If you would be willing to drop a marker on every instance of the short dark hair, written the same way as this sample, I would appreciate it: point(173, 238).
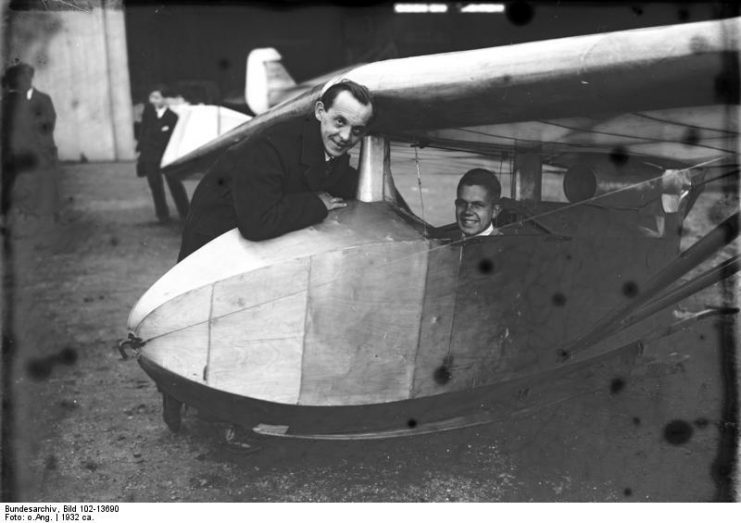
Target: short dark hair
point(163, 89)
point(358, 91)
point(17, 71)
point(483, 178)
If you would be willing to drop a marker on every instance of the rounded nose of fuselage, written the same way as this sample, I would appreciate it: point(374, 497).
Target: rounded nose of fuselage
point(328, 315)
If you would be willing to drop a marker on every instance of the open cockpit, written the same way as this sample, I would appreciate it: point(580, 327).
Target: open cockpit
point(542, 192)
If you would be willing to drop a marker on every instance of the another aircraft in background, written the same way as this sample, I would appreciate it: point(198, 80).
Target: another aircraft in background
point(268, 83)
point(198, 125)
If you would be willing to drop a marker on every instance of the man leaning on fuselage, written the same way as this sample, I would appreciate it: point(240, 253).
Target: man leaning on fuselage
point(477, 203)
point(287, 178)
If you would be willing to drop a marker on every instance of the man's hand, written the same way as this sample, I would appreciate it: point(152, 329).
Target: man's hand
point(331, 202)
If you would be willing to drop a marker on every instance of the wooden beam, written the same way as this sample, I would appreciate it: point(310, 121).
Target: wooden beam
point(528, 175)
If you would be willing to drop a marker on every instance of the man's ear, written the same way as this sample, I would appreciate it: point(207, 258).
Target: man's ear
point(319, 110)
point(497, 210)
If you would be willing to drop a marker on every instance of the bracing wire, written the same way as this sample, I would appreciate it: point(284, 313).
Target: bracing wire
point(419, 185)
point(621, 189)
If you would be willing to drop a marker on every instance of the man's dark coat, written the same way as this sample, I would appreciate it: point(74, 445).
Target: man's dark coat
point(154, 134)
point(28, 126)
point(267, 186)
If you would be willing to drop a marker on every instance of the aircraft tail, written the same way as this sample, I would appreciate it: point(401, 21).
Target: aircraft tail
point(266, 79)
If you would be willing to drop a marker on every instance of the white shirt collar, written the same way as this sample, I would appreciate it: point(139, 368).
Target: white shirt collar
point(160, 112)
point(486, 232)
point(29, 93)
point(489, 231)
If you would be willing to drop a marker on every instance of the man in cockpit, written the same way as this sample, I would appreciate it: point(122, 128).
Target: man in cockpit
point(477, 203)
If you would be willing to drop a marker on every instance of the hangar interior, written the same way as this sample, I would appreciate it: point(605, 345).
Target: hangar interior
point(97, 58)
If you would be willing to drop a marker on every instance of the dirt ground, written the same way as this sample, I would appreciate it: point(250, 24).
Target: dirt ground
point(88, 425)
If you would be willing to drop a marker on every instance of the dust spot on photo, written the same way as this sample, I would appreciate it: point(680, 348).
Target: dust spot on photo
point(678, 432)
point(90, 465)
point(519, 12)
point(727, 87)
point(559, 300)
point(619, 156)
point(691, 137)
point(51, 462)
point(39, 369)
point(69, 405)
point(68, 356)
point(617, 385)
point(443, 374)
point(698, 45)
point(630, 289)
point(486, 266)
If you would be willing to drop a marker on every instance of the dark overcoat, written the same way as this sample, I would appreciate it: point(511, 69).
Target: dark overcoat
point(267, 185)
point(154, 134)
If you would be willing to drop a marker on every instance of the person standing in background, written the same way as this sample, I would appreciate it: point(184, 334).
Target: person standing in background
point(158, 122)
point(29, 150)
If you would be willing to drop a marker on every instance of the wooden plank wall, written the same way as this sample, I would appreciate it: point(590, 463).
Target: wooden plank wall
point(183, 352)
point(81, 61)
point(431, 368)
point(362, 326)
point(257, 332)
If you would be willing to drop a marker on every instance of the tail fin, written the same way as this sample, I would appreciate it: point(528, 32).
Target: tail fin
point(266, 79)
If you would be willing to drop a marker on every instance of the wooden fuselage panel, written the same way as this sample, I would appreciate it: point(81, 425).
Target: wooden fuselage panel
point(399, 316)
point(519, 298)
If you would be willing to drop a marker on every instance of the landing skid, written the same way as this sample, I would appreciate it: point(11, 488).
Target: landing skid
point(172, 412)
point(461, 422)
point(424, 415)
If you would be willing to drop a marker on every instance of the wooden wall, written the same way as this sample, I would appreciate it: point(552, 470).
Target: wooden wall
point(81, 61)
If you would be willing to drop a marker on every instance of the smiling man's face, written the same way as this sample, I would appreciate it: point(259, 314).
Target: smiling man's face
point(474, 209)
point(343, 123)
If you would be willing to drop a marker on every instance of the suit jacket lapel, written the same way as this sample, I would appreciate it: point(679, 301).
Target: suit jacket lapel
point(317, 172)
point(339, 168)
point(312, 155)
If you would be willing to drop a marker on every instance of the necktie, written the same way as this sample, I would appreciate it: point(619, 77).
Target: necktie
point(328, 167)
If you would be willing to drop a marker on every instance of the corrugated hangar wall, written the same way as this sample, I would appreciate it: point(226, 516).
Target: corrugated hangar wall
point(81, 61)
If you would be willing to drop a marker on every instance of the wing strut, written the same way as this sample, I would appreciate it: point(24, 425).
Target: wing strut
point(655, 296)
